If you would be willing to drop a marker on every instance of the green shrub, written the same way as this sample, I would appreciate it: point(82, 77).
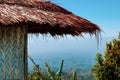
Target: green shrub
point(108, 68)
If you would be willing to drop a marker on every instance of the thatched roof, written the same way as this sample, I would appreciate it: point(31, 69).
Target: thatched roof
point(43, 17)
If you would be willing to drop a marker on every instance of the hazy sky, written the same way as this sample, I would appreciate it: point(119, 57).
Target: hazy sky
point(105, 13)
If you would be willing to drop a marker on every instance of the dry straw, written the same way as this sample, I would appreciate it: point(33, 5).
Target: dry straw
point(44, 17)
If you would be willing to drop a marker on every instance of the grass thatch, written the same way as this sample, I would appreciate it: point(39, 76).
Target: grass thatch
point(43, 17)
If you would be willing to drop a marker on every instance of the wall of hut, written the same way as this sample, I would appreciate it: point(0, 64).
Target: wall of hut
point(13, 53)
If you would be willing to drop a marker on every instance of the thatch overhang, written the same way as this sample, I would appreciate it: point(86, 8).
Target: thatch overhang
point(44, 17)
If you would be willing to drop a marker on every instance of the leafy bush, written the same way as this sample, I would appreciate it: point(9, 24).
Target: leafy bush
point(108, 68)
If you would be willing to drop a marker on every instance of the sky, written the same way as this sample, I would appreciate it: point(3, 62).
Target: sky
point(105, 13)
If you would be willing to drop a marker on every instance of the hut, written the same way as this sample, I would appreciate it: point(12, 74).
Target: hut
point(21, 17)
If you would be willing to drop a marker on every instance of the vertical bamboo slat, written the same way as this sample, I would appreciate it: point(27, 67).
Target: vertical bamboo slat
point(13, 53)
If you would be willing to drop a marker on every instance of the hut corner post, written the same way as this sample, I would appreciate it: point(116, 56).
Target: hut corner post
point(26, 57)
point(13, 53)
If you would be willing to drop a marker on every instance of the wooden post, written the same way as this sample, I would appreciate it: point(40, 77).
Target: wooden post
point(13, 53)
point(25, 57)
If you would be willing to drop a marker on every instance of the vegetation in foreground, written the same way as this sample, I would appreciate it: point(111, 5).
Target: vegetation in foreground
point(78, 74)
point(108, 67)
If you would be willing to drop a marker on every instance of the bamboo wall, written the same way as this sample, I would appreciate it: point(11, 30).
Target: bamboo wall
point(13, 53)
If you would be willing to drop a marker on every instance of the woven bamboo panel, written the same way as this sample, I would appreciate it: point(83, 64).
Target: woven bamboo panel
point(12, 53)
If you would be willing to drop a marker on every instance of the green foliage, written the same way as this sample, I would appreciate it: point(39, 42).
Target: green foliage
point(119, 36)
point(109, 67)
point(38, 75)
point(59, 73)
point(98, 67)
point(74, 76)
point(53, 75)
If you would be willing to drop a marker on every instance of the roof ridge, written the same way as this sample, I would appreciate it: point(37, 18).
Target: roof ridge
point(43, 5)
